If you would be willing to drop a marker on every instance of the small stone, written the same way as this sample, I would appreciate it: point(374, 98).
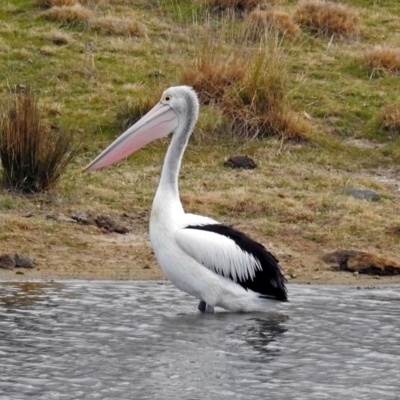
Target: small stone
point(82, 217)
point(22, 261)
point(28, 214)
point(287, 277)
point(240, 162)
point(7, 261)
point(364, 194)
point(19, 273)
point(355, 273)
point(109, 224)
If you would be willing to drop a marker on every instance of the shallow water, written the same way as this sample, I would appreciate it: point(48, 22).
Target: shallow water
point(146, 340)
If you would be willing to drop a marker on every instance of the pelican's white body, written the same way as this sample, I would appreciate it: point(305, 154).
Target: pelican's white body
point(200, 261)
point(167, 224)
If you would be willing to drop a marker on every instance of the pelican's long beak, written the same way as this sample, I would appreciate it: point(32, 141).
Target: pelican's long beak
point(158, 122)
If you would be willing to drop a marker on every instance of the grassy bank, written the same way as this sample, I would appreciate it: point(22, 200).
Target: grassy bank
point(339, 90)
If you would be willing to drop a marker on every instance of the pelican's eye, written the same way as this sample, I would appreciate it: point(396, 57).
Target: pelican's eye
point(167, 99)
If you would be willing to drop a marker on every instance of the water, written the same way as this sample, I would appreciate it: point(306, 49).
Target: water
point(145, 340)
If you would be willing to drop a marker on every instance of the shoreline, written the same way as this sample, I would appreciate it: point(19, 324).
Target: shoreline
point(335, 279)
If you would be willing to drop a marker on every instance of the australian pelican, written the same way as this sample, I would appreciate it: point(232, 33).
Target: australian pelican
point(215, 263)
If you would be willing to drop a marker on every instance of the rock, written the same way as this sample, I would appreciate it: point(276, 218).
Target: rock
point(339, 257)
point(102, 221)
point(240, 162)
point(7, 261)
point(108, 223)
point(11, 261)
point(364, 194)
point(83, 218)
point(22, 261)
point(363, 263)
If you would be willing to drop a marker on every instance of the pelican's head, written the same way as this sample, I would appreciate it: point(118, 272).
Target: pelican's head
point(178, 108)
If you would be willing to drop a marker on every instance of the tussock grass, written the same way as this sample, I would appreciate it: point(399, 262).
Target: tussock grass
point(383, 59)
point(48, 50)
point(58, 38)
point(55, 3)
point(328, 18)
point(389, 119)
point(258, 22)
point(118, 26)
point(33, 155)
point(69, 14)
point(258, 106)
point(212, 72)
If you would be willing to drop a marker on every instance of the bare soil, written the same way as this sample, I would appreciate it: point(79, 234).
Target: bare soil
point(63, 250)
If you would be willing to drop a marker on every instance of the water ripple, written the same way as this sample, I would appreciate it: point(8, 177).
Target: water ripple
point(145, 340)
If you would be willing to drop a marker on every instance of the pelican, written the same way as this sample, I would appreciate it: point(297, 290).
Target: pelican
point(217, 264)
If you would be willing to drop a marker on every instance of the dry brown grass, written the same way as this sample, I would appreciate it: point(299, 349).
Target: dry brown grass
point(55, 3)
point(118, 26)
point(238, 6)
point(383, 58)
point(210, 74)
point(390, 119)
point(48, 50)
point(328, 18)
point(32, 154)
point(258, 106)
point(258, 22)
point(69, 14)
point(58, 38)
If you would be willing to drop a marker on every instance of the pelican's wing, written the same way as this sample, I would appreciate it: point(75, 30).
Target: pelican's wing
point(232, 254)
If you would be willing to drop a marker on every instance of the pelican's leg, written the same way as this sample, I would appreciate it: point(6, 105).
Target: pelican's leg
point(209, 309)
point(202, 306)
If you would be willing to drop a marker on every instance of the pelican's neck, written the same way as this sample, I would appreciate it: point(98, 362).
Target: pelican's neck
point(169, 186)
point(167, 196)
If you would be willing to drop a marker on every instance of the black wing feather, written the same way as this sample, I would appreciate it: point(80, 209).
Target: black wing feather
point(269, 281)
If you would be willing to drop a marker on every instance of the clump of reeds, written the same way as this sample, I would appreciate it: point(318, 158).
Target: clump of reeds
point(383, 59)
point(390, 119)
point(55, 3)
point(69, 14)
point(237, 6)
point(327, 18)
point(259, 22)
point(134, 109)
point(118, 26)
point(33, 155)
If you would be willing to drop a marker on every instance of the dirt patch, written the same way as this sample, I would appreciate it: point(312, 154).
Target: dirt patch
point(65, 250)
